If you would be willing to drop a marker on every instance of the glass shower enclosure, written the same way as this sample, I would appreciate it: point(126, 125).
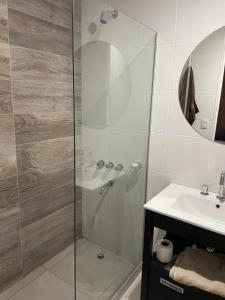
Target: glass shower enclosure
point(113, 75)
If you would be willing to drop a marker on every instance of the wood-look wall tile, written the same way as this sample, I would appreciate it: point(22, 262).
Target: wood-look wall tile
point(56, 11)
point(7, 131)
point(4, 35)
point(43, 156)
point(42, 96)
point(7, 161)
point(30, 32)
point(48, 236)
point(7, 147)
point(4, 62)
point(10, 259)
point(9, 221)
point(34, 183)
point(29, 64)
point(39, 207)
point(8, 193)
point(5, 97)
point(43, 126)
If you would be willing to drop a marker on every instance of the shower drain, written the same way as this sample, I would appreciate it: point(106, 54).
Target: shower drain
point(100, 256)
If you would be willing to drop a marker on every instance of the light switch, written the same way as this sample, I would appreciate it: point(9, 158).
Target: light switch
point(204, 123)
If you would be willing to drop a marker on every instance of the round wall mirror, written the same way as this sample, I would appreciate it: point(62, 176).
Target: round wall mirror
point(202, 87)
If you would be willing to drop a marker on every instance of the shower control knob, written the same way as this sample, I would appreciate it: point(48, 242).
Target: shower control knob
point(100, 164)
point(119, 167)
point(110, 165)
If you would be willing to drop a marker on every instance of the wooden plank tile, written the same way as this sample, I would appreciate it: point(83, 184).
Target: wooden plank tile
point(42, 156)
point(45, 204)
point(4, 62)
point(56, 11)
point(7, 135)
point(39, 96)
point(34, 183)
point(5, 97)
point(4, 35)
point(43, 126)
point(47, 237)
point(7, 147)
point(7, 162)
point(8, 193)
point(10, 259)
point(30, 32)
point(9, 221)
point(29, 64)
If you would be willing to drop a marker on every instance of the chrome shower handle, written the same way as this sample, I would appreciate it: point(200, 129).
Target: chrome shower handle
point(100, 164)
point(110, 165)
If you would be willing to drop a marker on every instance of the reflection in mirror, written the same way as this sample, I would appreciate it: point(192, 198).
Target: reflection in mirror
point(202, 88)
point(105, 78)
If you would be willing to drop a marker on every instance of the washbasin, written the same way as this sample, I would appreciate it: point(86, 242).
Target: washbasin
point(200, 207)
point(189, 205)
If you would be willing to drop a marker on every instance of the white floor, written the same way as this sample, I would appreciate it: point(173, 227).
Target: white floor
point(96, 279)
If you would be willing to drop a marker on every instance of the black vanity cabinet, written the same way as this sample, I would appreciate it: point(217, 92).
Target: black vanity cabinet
point(156, 284)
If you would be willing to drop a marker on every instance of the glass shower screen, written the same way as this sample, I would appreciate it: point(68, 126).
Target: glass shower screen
point(114, 61)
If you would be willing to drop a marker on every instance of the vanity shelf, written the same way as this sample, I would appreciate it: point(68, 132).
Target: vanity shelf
point(163, 287)
point(154, 271)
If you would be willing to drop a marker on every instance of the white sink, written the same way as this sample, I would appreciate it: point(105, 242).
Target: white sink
point(188, 205)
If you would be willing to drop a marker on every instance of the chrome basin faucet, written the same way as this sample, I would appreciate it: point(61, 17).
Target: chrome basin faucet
point(221, 195)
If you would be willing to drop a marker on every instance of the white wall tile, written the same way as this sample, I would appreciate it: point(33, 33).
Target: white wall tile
point(94, 143)
point(131, 115)
point(139, 62)
point(159, 15)
point(160, 107)
point(156, 152)
point(127, 146)
point(197, 19)
point(186, 155)
point(155, 184)
point(163, 69)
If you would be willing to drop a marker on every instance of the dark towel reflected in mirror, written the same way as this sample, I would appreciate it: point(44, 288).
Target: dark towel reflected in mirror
point(187, 95)
point(202, 88)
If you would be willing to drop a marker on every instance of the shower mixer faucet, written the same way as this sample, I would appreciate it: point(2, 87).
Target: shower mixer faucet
point(110, 165)
point(100, 164)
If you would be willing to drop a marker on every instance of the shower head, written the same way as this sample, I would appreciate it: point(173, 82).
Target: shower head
point(108, 15)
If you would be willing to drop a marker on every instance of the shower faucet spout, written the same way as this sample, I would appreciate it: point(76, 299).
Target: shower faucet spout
point(106, 186)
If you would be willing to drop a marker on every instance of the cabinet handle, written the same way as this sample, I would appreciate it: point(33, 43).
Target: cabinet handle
point(172, 286)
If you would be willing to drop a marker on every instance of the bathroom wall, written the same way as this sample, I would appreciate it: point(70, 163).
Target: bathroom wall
point(36, 134)
point(177, 154)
